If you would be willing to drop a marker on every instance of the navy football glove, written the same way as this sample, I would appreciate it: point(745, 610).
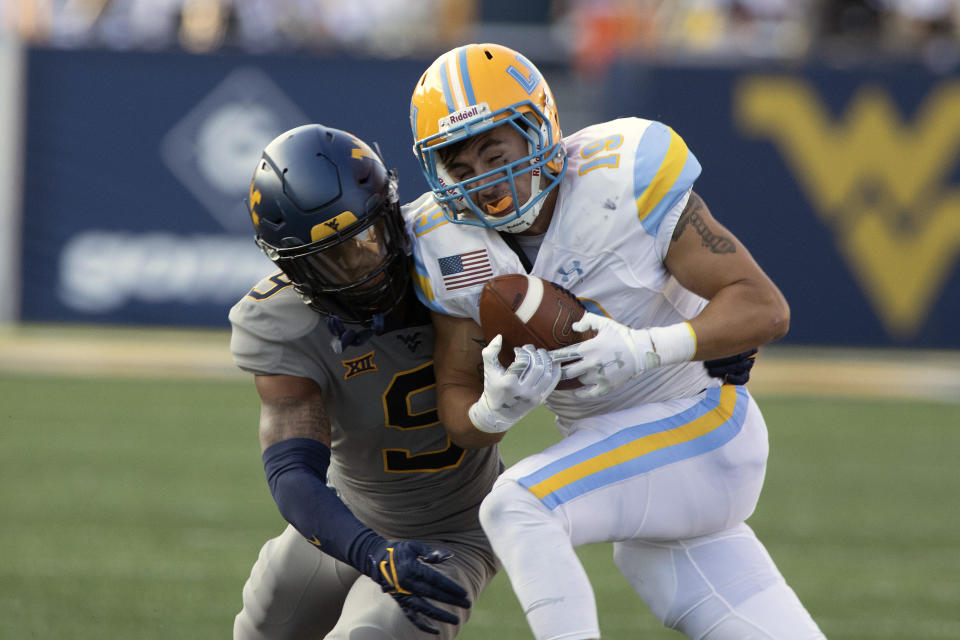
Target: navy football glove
point(403, 570)
point(733, 369)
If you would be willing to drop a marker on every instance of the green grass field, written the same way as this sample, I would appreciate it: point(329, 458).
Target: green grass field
point(134, 508)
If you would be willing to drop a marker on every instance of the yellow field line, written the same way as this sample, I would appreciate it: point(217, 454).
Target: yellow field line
point(780, 370)
point(117, 351)
point(897, 374)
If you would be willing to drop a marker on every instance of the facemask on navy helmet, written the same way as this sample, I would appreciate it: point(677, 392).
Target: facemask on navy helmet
point(325, 210)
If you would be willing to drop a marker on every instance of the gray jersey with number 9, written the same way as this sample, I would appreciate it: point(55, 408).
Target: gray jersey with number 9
point(392, 462)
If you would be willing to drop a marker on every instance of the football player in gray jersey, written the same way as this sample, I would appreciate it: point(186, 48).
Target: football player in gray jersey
point(384, 539)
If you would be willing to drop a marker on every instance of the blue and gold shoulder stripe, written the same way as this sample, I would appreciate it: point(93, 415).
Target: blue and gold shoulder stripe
point(425, 218)
point(635, 450)
point(663, 170)
point(422, 285)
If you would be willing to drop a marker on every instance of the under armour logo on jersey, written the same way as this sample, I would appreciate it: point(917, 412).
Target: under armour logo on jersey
point(356, 366)
point(573, 268)
point(412, 341)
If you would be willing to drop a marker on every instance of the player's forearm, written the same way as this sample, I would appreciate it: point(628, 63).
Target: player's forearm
point(740, 317)
point(296, 472)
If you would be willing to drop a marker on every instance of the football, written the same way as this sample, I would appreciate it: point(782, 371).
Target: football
point(528, 310)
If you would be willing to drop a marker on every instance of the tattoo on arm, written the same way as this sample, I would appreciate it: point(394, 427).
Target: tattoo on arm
point(294, 418)
point(693, 216)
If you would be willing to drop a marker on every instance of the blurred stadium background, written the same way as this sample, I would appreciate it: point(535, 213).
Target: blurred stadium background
point(131, 492)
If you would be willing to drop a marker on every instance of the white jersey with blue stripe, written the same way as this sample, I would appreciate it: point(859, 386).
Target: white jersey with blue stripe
point(626, 184)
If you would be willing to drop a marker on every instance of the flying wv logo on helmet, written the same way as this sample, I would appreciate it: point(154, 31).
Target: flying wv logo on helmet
point(471, 90)
point(339, 242)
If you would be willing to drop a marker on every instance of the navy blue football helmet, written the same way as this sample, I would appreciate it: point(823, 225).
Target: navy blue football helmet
point(325, 210)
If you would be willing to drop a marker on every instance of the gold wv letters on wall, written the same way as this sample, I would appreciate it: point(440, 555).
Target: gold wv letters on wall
point(877, 182)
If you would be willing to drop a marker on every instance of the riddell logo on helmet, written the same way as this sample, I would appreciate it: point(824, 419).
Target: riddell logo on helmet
point(466, 114)
point(463, 115)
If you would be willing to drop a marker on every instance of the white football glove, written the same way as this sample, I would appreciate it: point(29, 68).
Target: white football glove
point(618, 353)
point(511, 393)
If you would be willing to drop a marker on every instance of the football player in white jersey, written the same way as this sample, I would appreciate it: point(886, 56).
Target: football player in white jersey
point(658, 457)
point(383, 507)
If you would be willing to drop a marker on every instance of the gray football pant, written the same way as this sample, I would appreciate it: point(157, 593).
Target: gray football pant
point(297, 591)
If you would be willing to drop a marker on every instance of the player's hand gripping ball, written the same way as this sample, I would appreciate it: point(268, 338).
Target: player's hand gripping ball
point(528, 310)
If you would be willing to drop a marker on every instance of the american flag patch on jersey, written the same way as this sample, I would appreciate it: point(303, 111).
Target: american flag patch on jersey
point(465, 269)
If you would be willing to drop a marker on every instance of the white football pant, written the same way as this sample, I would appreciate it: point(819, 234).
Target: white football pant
point(670, 484)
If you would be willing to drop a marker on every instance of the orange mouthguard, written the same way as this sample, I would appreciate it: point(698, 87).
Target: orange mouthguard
point(501, 206)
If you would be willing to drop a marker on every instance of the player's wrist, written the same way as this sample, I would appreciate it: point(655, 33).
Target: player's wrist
point(486, 419)
point(672, 344)
point(365, 551)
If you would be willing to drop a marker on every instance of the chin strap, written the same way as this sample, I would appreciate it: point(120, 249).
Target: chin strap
point(344, 337)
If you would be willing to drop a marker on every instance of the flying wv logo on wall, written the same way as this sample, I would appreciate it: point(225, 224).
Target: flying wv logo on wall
point(879, 183)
